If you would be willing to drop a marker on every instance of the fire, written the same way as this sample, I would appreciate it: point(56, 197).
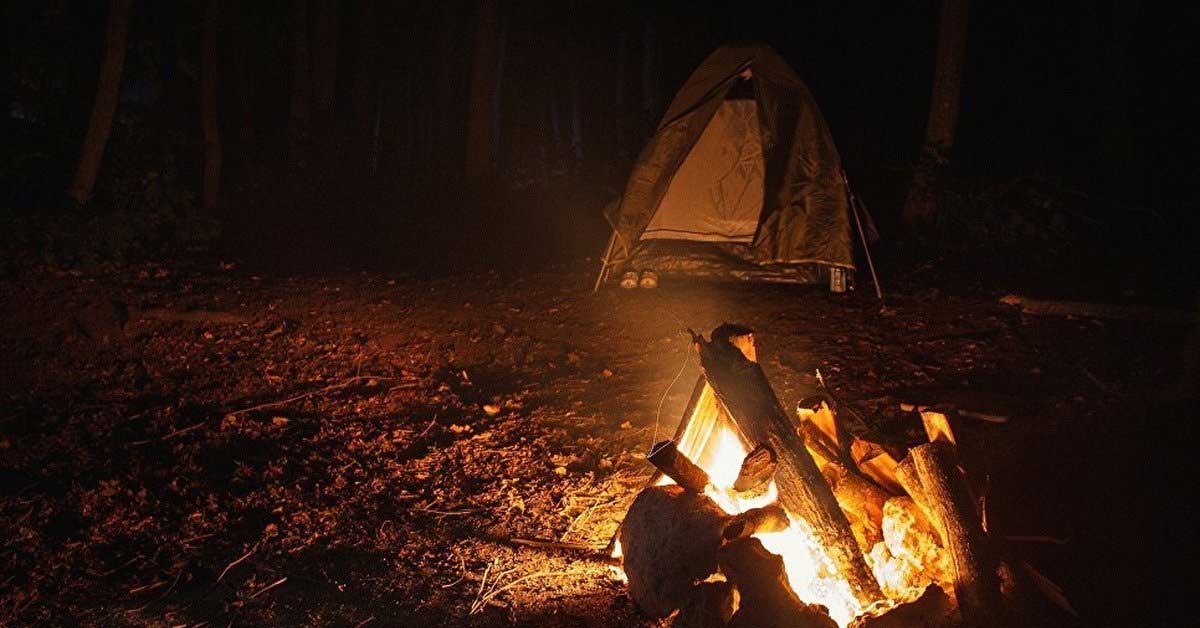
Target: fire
point(904, 563)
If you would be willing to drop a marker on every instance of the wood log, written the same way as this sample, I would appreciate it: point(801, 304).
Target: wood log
point(670, 539)
point(767, 601)
point(673, 464)
point(932, 608)
point(766, 519)
point(745, 392)
point(862, 502)
point(758, 467)
point(947, 501)
point(710, 605)
point(876, 463)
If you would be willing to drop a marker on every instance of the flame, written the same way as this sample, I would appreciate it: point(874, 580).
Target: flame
point(811, 572)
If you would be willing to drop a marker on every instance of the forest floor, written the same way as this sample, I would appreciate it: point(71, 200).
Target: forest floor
point(205, 446)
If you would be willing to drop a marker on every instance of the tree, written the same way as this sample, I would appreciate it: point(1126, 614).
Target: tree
point(921, 204)
point(108, 92)
point(479, 164)
point(325, 64)
point(301, 109)
point(208, 108)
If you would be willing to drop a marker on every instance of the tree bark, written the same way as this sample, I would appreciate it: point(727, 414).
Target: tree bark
point(208, 108)
point(363, 89)
point(301, 105)
point(744, 390)
point(479, 164)
point(921, 204)
point(108, 91)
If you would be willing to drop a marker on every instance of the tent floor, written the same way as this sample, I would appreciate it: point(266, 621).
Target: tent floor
point(720, 261)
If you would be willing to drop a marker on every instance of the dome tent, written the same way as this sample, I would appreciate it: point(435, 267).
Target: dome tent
point(741, 180)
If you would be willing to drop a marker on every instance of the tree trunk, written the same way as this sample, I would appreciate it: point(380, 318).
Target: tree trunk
point(301, 107)
point(744, 390)
point(108, 91)
point(208, 109)
point(324, 62)
point(479, 164)
point(363, 92)
point(921, 204)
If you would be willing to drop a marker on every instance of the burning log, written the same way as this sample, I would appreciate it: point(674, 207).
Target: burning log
point(861, 500)
point(710, 605)
point(766, 599)
point(766, 519)
point(758, 468)
point(673, 464)
point(930, 474)
point(743, 389)
point(670, 539)
point(932, 608)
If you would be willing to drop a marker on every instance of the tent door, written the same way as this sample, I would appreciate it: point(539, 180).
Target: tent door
point(716, 194)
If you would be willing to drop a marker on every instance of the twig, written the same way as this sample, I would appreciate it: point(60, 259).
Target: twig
point(365, 622)
point(183, 431)
point(269, 587)
point(313, 393)
point(554, 545)
point(235, 563)
point(463, 568)
point(481, 602)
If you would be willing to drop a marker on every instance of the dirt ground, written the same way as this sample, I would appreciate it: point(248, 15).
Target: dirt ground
point(205, 446)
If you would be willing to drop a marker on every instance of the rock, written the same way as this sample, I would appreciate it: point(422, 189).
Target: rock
point(931, 610)
point(670, 539)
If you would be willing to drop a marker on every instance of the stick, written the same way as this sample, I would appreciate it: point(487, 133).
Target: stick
point(269, 587)
point(862, 235)
point(330, 388)
point(234, 563)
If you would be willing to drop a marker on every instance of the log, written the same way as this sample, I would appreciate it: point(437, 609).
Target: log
point(744, 391)
point(710, 605)
point(669, 539)
point(947, 501)
point(766, 519)
point(932, 608)
point(862, 502)
point(673, 464)
point(766, 599)
point(758, 467)
point(876, 463)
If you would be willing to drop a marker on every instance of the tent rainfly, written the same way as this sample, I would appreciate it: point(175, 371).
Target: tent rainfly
point(741, 180)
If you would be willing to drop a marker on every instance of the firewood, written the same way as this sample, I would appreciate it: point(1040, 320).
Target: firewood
point(861, 500)
point(766, 599)
point(669, 539)
point(932, 609)
point(667, 459)
point(876, 463)
point(946, 499)
point(766, 519)
point(758, 467)
point(745, 392)
point(710, 605)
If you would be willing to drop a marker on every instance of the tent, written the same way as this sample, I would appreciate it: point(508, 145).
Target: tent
point(741, 180)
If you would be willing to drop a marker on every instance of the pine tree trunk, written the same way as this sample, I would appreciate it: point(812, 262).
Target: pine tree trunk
point(921, 204)
point(105, 107)
point(479, 164)
point(208, 108)
point(301, 108)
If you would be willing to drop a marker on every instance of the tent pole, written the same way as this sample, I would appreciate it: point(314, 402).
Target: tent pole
point(612, 240)
point(862, 236)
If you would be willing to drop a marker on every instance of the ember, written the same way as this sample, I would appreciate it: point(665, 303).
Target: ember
point(923, 545)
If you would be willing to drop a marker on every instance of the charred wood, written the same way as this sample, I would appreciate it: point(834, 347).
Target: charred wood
point(767, 601)
point(743, 388)
point(673, 464)
point(766, 519)
point(758, 467)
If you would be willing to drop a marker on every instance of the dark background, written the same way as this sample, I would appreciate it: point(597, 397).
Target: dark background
point(1078, 106)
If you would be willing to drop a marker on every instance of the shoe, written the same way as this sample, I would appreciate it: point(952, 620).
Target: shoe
point(629, 280)
point(649, 279)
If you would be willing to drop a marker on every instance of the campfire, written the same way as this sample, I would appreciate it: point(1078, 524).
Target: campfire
point(758, 518)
